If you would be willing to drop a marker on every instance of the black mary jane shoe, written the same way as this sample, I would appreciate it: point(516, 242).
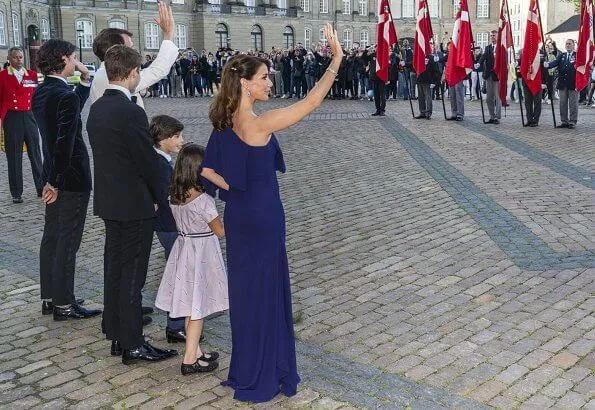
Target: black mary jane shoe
point(47, 307)
point(213, 356)
point(198, 368)
point(116, 349)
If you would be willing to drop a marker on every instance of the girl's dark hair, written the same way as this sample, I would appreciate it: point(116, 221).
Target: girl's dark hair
point(49, 56)
point(186, 173)
point(230, 93)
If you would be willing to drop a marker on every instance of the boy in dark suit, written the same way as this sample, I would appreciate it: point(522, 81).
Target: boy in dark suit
point(127, 193)
point(167, 139)
point(57, 111)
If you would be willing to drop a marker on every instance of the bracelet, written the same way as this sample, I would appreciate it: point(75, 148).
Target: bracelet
point(332, 71)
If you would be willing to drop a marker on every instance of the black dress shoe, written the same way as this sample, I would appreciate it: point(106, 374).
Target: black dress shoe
point(451, 118)
point(495, 121)
point(376, 114)
point(164, 352)
point(17, 200)
point(532, 124)
point(143, 352)
point(428, 117)
point(419, 117)
point(147, 320)
point(459, 118)
point(563, 125)
point(490, 121)
point(198, 368)
point(47, 308)
point(571, 126)
point(381, 114)
point(116, 349)
point(147, 310)
point(74, 311)
point(175, 336)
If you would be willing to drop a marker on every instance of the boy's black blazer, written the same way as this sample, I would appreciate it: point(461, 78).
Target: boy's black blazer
point(126, 175)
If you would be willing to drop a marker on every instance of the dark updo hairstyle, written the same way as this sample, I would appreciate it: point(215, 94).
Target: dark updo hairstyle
point(230, 92)
point(186, 173)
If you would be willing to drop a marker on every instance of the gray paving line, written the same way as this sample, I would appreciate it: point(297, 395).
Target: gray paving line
point(577, 174)
point(525, 248)
point(329, 374)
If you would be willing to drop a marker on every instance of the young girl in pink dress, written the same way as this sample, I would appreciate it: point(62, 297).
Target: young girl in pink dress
point(194, 283)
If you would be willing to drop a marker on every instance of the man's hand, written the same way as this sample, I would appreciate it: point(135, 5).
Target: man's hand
point(49, 194)
point(85, 75)
point(166, 20)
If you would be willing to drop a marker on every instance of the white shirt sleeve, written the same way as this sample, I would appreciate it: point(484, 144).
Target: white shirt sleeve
point(160, 67)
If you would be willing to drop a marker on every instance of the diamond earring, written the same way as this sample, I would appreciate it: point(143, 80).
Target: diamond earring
point(249, 93)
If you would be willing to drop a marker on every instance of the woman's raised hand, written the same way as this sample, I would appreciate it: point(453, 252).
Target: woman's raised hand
point(333, 41)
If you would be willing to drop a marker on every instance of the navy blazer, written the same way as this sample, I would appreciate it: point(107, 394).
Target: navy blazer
point(126, 178)
point(57, 109)
point(165, 221)
point(486, 62)
point(566, 70)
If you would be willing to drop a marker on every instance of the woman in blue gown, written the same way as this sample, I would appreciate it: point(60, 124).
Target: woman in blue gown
point(241, 160)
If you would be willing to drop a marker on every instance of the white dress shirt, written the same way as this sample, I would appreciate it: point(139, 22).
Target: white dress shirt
point(158, 69)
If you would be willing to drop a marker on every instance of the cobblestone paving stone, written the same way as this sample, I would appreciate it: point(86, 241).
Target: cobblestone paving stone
point(421, 278)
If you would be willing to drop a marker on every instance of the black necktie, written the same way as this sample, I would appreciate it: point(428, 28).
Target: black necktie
point(133, 98)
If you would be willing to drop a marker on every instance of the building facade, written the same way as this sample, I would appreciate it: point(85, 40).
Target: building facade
point(209, 24)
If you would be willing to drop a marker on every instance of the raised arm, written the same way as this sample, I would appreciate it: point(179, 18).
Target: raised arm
point(279, 119)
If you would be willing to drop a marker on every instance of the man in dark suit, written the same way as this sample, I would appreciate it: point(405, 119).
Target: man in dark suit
point(426, 81)
point(566, 85)
point(57, 110)
point(491, 80)
point(126, 194)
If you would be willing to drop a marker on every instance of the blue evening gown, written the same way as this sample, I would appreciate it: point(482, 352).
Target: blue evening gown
point(263, 361)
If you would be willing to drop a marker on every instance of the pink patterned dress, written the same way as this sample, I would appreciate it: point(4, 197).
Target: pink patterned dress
point(194, 282)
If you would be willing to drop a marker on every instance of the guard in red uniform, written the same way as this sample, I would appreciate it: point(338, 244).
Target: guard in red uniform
point(17, 86)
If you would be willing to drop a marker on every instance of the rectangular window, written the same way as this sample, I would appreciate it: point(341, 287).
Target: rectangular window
point(16, 29)
point(346, 7)
point(2, 29)
point(307, 38)
point(363, 7)
point(482, 40)
point(364, 38)
point(434, 6)
point(84, 33)
point(45, 30)
point(323, 6)
point(177, 1)
point(347, 39)
point(151, 36)
point(250, 3)
point(181, 36)
point(305, 4)
point(322, 38)
point(483, 9)
point(409, 8)
point(282, 4)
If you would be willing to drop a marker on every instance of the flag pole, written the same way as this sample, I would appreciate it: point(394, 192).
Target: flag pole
point(544, 53)
point(516, 77)
point(483, 115)
point(406, 73)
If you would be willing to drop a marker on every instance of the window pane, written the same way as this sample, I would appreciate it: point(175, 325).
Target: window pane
point(282, 4)
point(347, 39)
point(363, 7)
point(408, 8)
point(16, 29)
point(323, 5)
point(250, 3)
point(84, 33)
point(45, 29)
point(151, 36)
point(321, 37)
point(307, 38)
point(2, 29)
point(346, 6)
point(482, 40)
point(180, 38)
point(483, 8)
point(305, 4)
point(364, 38)
point(434, 6)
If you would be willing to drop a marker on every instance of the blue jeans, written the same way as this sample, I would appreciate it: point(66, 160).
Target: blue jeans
point(167, 240)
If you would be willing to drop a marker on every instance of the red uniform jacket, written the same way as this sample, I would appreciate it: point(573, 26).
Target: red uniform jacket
point(15, 96)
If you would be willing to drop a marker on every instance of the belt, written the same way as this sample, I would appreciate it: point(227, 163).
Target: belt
point(195, 235)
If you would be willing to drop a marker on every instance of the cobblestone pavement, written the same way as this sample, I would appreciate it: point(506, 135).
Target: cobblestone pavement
point(434, 265)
